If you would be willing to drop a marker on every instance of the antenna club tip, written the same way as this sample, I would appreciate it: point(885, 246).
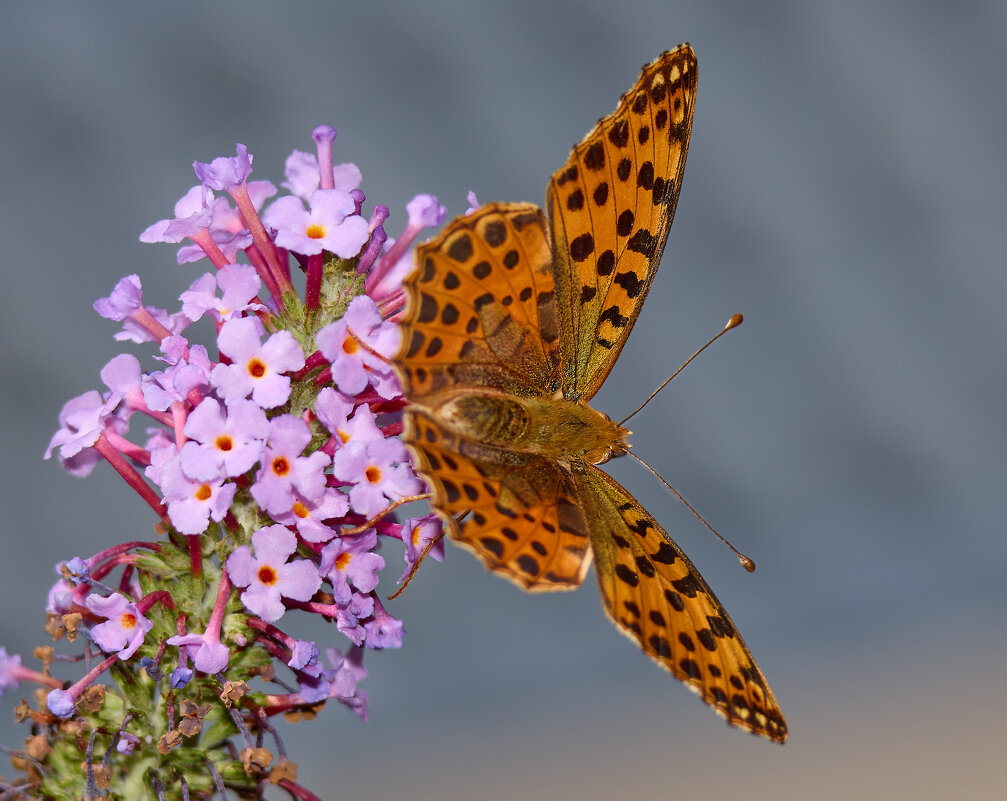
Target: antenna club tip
point(734, 322)
point(746, 563)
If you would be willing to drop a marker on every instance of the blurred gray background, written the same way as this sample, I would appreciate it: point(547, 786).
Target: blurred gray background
point(845, 191)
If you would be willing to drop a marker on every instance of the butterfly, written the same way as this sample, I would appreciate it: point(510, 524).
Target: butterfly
point(514, 318)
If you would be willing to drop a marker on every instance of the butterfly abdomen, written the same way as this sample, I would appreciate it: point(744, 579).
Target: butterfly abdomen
point(555, 428)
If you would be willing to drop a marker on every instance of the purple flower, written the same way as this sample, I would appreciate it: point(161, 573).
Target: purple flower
point(383, 630)
point(59, 599)
point(349, 615)
point(225, 173)
point(206, 650)
point(122, 376)
point(346, 672)
point(189, 369)
point(417, 533)
point(127, 743)
point(356, 344)
point(269, 576)
point(192, 214)
point(304, 658)
point(425, 211)
point(191, 504)
point(238, 284)
point(77, 568)
point(223, 444)
point(256, 369)
point(179, 677)
point(134, 331)
point(82, 420)
point(333, 409)
point(309, 516)
point(328, 225)
point(125, 299)
point(303, 175)
point(378, 471)
point(10, 666)
point(284, 470)
point(348, 561)
point(208, 654)
point(125, 627)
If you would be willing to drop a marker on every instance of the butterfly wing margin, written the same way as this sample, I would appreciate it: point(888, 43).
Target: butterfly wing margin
point(610, 211)
point(655, 595)
point(480, 308)
point(524, 520)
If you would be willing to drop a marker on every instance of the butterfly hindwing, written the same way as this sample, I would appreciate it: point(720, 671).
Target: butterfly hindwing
point(655, 595)
point(524, 521)
point(610, 210)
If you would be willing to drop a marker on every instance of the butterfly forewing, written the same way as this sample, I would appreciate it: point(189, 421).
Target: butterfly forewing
point(481, 311)
point(610, 210)
point(654, 595)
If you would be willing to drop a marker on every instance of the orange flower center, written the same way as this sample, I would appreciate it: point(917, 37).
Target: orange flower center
point(128, 620)
point(256, 368)
point(224, 443)
point(281, 466)
point(350, 345)
point(343, 560)
point(373, 474)
point(416, 535)
point(267, 575)
point(204, 492)
point(300, 510)
point(315, 231)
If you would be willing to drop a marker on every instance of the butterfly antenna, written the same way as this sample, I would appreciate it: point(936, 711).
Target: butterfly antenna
point(746, 561)
point(350, 532)
point(734, 322)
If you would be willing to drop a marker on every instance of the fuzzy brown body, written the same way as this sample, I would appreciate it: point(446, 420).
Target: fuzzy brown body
point(566, 432)
point(513, 321)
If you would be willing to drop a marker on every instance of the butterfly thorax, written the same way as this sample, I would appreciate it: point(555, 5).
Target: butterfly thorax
point(559, 429)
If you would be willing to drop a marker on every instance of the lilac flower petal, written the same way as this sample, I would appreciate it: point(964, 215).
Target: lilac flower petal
point(225, 173)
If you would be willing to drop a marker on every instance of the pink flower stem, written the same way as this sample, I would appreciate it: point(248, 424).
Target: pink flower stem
point(158, 596)
point(205, 241)
point(223, 593)
point(27, 674)
point(262, 269)
point(145, 319)
point(178, 418)
point(195, 555)
point(254, 224)
point(298, 792)
point(313, 287)
point(129, 474)
point(326, 610)
point(85, 681)
point(127, 448)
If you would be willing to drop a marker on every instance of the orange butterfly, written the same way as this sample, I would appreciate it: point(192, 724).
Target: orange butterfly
point(514, 320)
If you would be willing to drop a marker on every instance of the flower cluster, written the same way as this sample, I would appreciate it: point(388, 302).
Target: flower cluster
point(273, 468)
